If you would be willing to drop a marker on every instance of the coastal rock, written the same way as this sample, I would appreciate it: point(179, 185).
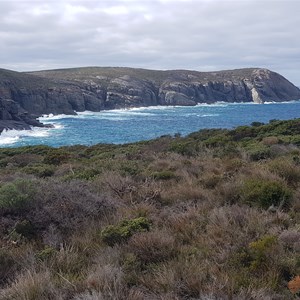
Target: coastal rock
point(12, 116)
point(24, 96)
point(127, 92)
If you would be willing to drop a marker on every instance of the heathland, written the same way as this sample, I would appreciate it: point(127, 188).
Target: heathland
point(213, 215)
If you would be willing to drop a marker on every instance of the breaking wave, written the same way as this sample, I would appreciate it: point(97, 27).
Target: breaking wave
point(135, 124)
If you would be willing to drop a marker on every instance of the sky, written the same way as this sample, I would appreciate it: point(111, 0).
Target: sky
point(203, 35)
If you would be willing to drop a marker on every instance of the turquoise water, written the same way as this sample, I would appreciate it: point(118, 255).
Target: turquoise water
point(124, 126)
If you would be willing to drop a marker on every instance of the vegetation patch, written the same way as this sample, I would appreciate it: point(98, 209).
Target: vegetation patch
point(115, 234)
point(266, 193)
point(16, 195)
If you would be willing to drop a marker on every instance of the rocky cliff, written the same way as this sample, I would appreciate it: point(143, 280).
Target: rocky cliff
point(24, 96)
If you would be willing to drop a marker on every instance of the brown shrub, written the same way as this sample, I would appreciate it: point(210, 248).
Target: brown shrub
point(152, 247)
point(270, 140)
point(286, 169)
point(31, 285)
point(108, 280)
point(186, 226)
point(128, 189)
point(68, 205)
point(290, 239)
point(24, 159)
point(233, 227)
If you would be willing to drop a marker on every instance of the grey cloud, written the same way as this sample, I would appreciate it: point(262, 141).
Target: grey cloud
point(163, 34)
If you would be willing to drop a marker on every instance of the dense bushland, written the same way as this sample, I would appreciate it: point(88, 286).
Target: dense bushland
point(214, 215)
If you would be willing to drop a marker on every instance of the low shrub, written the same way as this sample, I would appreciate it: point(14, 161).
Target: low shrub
point(56, 157)
point(7, 266)
point(290, 239)
point(109, 280)
point(211, 181)
point(163, 175)
point(188, 148)
point(68, 205)
point(285, 169)
point(25, 228)
point(128, 167)
point(270, 140)
point(40, 170)
point(31, 285)
point(259, 251)
point(264, 193)
point(258, 152)
point(86, 174)
point(46, 253)
point(152, 247)
point(16, 195)
point(114, 234)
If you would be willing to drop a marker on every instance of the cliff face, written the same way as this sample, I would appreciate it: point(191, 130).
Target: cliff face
point(23, 96)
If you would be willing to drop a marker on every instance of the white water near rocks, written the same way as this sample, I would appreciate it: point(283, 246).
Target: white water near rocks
point(136, 124)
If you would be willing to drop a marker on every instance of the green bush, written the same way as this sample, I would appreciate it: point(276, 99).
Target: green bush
point(46, 253)
point(259, 251)
point(257, 124)
point(16, 195)
point(25, 228)
point(56, 157)
point(257, 152)
point(87, 174)
point(188, 148)
point(40, 170)
point(217, 141)
point(163, 175)
point(114, 234)
point(251, 263)
point(264, 193)
point(128, 167)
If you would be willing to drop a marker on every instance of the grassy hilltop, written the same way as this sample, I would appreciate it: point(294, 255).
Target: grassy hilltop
point(214, 215)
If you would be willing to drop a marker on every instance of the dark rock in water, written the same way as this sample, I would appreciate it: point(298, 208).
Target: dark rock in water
point(24, 96)
point(12, 116)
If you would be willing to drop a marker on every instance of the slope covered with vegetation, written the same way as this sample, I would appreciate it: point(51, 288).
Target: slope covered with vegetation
point(214, 215)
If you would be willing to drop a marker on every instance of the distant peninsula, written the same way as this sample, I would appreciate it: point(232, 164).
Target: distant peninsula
point(26, 96)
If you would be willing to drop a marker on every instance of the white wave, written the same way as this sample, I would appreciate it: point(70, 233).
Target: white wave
point(219, 103)
point(8, 140)
point(115, 114)
point(58, 126)
point(282, 102)
point(140, 110)
point(50, 117)
point(225, 104)
point(156, 107)
point(12, 136)
point(209, 115)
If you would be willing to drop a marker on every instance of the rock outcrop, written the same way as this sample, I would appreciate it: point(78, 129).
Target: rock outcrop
point(24, 96)
point(12, 116)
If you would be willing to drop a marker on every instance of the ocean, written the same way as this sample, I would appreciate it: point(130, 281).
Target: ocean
point(137, 124)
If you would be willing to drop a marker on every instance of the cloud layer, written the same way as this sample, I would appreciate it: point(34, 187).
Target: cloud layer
point(202, 35)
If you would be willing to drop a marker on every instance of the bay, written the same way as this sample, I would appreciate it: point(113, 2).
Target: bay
point(131, 125)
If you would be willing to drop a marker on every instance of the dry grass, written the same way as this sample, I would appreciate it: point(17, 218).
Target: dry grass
point(31, 285)
point(152, 247)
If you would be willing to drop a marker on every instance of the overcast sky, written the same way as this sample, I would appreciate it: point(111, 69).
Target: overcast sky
point(201, 35)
